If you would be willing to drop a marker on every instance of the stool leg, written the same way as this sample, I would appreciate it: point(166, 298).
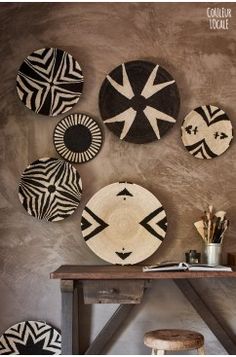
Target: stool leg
point(160, 352)
point(201, 350)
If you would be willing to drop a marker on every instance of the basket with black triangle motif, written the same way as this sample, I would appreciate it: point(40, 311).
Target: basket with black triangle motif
point(123, 223)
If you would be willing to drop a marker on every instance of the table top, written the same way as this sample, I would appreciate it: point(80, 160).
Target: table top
point(110, 272)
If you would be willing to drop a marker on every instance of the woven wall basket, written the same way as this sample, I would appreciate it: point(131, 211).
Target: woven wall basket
point(124, 223)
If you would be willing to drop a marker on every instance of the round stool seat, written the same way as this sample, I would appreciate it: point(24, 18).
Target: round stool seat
point(173, 340)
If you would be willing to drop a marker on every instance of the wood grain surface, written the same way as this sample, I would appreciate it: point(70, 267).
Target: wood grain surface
point(81, 272)
point(115, 291)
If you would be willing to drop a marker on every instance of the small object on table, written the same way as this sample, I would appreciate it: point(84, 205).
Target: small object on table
point(183, 266)
point(212, 253)
point(193, 257)
point(231, 259)
point(212, 228)
point(174, 340)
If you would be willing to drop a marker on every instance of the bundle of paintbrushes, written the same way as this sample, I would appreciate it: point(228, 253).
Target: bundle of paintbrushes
point(212, 226)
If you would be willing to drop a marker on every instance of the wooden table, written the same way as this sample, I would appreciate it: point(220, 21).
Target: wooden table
point(82, 285)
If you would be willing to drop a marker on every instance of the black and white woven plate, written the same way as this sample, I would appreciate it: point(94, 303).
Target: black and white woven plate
point(30, 338)
point(77, 138)
point(139, 101)
point(50, 189)
point(207, 132)
point(49, 81)
point(123, 223)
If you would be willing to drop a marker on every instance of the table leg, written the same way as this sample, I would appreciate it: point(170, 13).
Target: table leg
point(67, 294)
point(212, 320)
point(111, 327)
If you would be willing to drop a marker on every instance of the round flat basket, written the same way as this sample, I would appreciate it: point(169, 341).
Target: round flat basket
point(207, 132)
point(50, 189)
point(49, 81)
point(139, 101)
point(77, 138)
point(123, 223)
point(30, 338)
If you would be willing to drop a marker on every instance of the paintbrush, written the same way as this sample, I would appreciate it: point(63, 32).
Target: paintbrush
point(213, 229)
point(208, 226)
point(218, 230)
point(204, 219)
point(211, 211)
point(210, 221)
point(220, 214)
point(225, 227)
point(220, 218)
point(200, 228)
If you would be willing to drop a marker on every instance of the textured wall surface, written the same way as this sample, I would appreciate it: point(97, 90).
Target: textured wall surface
point(101, 36)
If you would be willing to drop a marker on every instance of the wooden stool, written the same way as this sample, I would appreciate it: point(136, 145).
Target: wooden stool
point(174, 340)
